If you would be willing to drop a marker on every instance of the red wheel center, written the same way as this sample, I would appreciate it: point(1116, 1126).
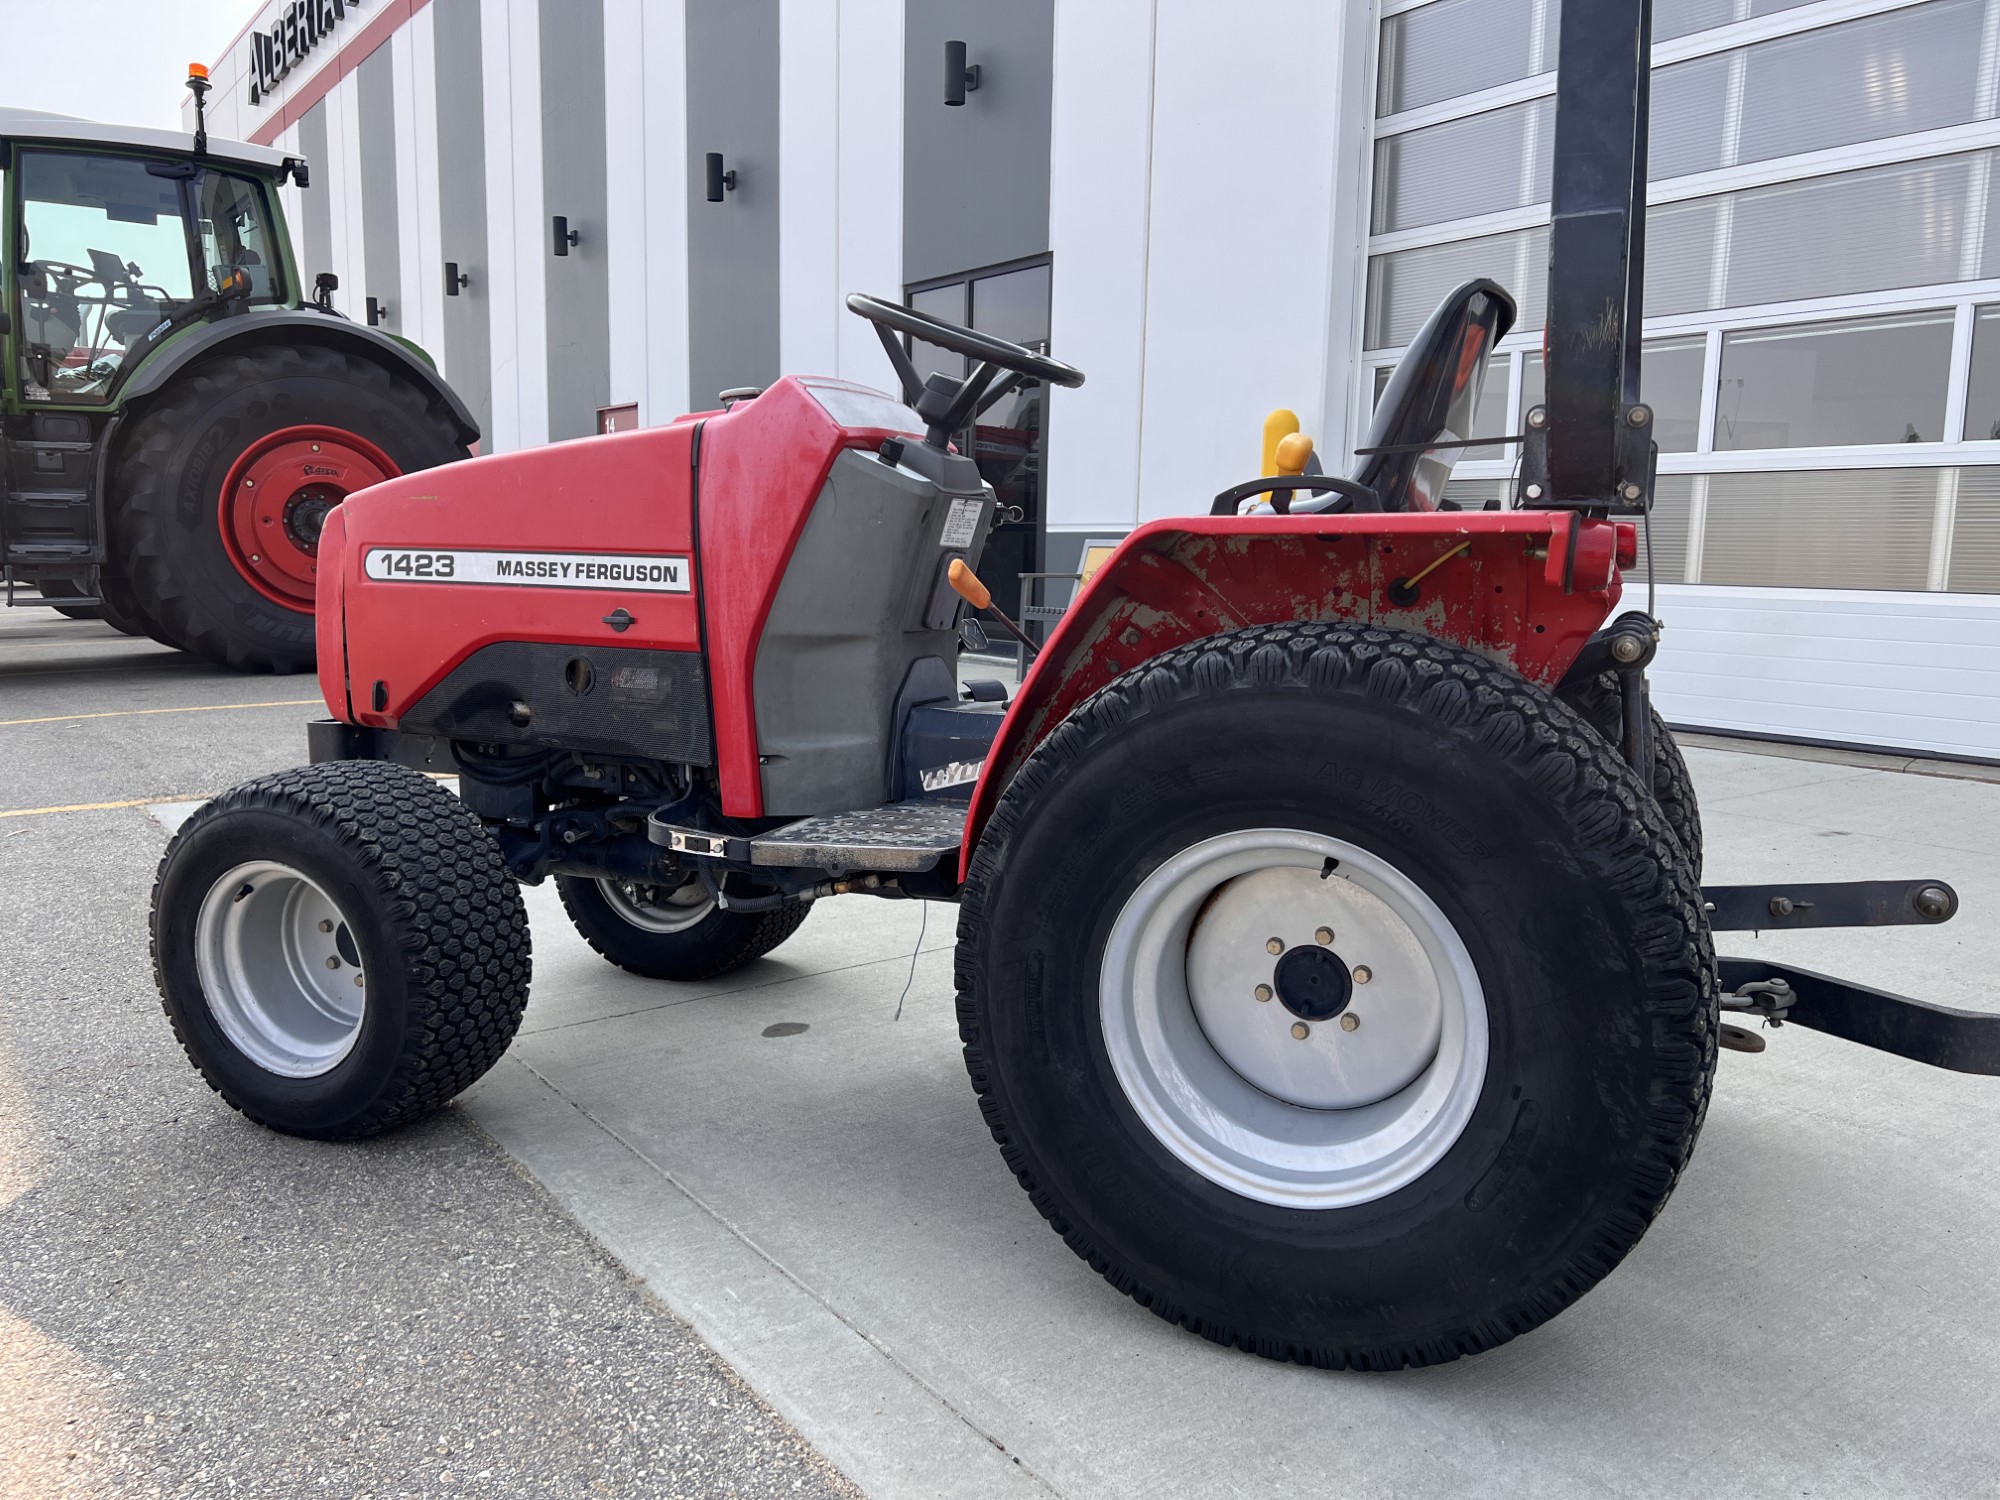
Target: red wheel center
point(276, 498)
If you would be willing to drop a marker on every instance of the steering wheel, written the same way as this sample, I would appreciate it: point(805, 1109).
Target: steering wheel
point(980, 346)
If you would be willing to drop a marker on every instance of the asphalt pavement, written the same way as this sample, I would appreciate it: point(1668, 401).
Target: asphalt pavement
point(191, 1306)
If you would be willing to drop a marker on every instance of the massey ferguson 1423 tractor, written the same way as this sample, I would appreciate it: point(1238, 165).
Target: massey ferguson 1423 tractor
point(1333, 965)
point(179, 419)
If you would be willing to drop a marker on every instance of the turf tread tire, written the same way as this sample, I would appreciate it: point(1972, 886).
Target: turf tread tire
point(1601, 705)
point(1617, 829)
point(721, 943)
point(453, 921)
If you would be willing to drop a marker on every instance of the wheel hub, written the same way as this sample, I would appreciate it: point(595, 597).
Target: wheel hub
point(1293, 1017)
point(659, 908)
point(306, 513)
point(280, 969)
point(277, 496)
point(1313, 984)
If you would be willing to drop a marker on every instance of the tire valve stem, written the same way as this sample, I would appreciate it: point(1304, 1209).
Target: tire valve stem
point(1301, 1030)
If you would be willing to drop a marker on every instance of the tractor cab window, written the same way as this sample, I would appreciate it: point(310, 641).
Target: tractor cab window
point(103, 261)
point(235, 234)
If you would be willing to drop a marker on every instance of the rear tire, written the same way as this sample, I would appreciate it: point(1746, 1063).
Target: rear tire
point(339, 947)
point(655, 932)
point(188, 584)
point(1600, 703)
point(1365, 799)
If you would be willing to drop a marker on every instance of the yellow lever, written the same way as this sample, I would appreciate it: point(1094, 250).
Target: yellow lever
point(1294, 452)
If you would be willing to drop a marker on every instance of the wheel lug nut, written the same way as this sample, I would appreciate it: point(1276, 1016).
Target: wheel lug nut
point(1276, 945)
point(333, 960)
point(1263, 992)
point(325, 924)
point(1323, 936)
point(1350, 1021)
point(1362, 974)
point(1301, 1030)
point(359, 982)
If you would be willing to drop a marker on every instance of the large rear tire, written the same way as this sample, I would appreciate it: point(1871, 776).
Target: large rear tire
point(339, 947)
point(672, 932)
point(1337, 994)
point(221, 488)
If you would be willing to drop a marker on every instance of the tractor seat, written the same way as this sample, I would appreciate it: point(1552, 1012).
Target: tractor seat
point(1432, 399)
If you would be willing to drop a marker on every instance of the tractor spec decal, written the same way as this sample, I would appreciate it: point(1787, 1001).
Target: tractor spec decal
point(961, 524)
point(535, 570)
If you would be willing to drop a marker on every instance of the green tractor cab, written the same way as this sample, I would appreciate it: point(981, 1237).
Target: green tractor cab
point(180, 412)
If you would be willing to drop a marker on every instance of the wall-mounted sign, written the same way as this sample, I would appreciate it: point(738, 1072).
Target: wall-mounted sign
point(280, 47)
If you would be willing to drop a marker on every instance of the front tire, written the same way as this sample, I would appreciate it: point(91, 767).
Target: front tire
point(221, 489)
point(1189, 1108)
point(672, 932)
point(339, 948)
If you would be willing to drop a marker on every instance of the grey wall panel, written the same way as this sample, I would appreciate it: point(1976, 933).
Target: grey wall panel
point(315, 215)
point(382, 265)
point(976, 176)
point(579, 283)
point(732, 105)
point(461, 125)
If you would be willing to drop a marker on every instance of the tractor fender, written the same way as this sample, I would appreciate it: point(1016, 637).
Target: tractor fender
point(1525, 588)
point(256, 328)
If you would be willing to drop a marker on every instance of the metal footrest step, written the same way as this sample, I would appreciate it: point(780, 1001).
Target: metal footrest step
point(903, 836)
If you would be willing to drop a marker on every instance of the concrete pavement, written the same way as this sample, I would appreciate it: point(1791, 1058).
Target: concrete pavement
point(190, 1306)
point(1815, 1313)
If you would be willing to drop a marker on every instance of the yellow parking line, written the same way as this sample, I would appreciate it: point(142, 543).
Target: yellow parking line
point(36, 812)
point(133, 713)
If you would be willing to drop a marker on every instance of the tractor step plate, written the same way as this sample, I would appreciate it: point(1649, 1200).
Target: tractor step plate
point(900, 836)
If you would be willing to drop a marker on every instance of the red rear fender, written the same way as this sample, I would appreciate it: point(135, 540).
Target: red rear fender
point(1500, 590)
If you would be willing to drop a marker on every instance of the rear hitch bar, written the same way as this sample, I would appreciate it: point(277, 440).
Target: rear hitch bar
point(1962, 1041)
point(1845, 903)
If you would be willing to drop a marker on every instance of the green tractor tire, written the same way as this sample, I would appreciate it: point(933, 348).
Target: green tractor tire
point(221, 488)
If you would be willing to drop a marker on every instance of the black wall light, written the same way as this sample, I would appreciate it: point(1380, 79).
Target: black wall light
point(565, 236)
point(378, 313)
point(959, 80)
point(453, 280)
point(719, 181)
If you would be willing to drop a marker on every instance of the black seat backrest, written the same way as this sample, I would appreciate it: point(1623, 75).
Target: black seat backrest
point(1434, 396)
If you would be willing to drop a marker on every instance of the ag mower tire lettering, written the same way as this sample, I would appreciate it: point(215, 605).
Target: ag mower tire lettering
point(1599, 702)
point(189, 584)
point(433, 932)
point(687, 943)
point(1543, 853)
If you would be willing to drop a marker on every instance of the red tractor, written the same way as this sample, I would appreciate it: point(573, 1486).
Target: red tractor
point(1333, 965)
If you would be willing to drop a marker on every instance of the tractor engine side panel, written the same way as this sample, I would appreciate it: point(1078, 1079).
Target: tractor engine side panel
point(1507, 584)
point(537, 552)
point(865, 611)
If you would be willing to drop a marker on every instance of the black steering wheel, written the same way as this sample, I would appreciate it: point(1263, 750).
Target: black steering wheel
point(975, 345)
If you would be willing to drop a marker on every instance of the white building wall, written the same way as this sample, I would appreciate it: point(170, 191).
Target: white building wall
point(421, 234)
point(645, 45)
point(516, 224)
point(840, 206)
point(343, 182)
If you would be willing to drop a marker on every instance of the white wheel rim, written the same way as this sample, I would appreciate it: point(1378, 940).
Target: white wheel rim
point(658, 908)
point(281, 969)
point(1335, 1117)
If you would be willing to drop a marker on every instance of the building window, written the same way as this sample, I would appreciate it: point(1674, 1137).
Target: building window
point(1814, 303)
point(1863, 380)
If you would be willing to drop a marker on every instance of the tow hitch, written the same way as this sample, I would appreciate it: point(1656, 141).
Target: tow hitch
point(1963, 1041)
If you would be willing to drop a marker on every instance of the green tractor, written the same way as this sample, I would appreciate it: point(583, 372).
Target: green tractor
point(179, 416)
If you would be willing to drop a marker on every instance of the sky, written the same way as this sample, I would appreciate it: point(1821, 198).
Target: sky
point(120, 61)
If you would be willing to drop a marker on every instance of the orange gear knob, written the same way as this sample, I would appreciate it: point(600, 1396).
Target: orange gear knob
point(967, 584)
